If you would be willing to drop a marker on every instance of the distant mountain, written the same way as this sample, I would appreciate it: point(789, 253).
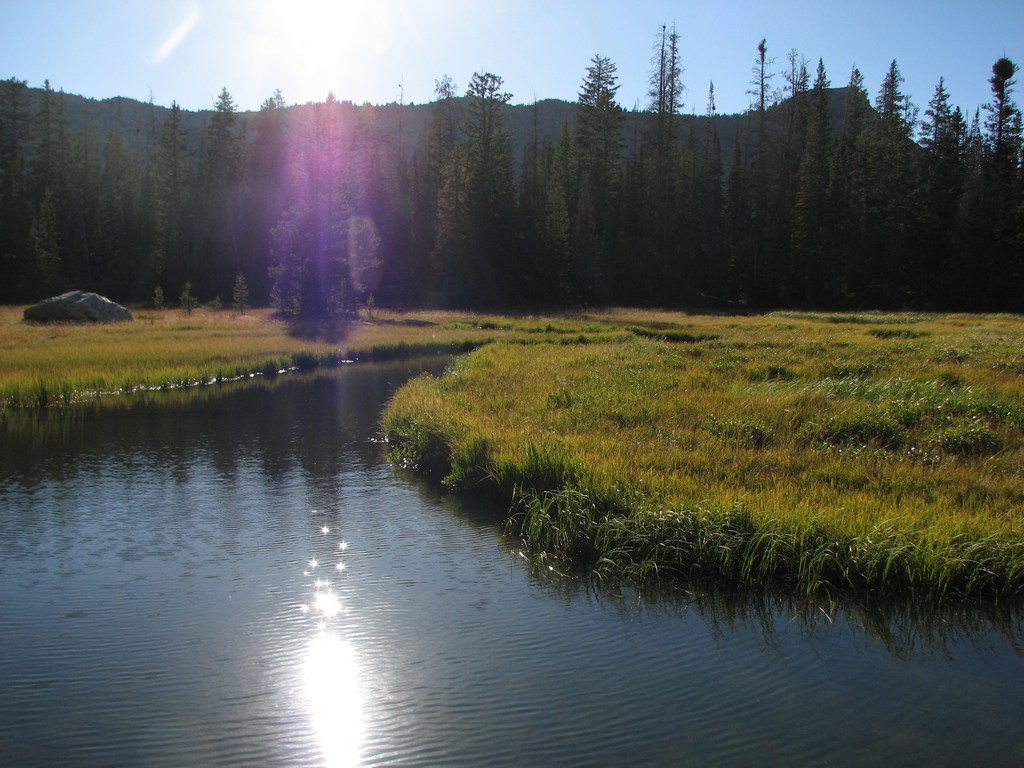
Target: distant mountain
point(406, 126)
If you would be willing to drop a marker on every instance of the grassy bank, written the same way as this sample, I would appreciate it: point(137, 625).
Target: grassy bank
point(878, 454)
point(872, 453)
point(44, 365)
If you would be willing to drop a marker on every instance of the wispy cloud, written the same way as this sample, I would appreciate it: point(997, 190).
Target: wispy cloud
point(177, 36)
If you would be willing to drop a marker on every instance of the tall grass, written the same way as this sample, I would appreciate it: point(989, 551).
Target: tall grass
point(63, 364)
point(803, 451)
point(872, 453)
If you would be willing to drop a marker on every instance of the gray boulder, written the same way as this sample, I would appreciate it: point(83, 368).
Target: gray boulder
point(77, 307)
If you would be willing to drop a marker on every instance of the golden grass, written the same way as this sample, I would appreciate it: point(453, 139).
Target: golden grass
point(812, 434)
point(871, 452)
point(61, 364)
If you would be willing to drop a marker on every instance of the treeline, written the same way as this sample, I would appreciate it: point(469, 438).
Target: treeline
point(815, 197)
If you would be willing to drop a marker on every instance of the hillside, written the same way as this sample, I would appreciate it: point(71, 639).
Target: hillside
point(406, 125)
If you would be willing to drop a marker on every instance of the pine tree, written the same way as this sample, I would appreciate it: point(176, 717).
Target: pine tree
point(762, 275)
point(477, 202)
point(15, 206)
point(43, 276)
point(737, 219)
point(666, 88)
point(942, 137)
point(599, 139)
point(116, 213)
point(712, 266)
point(173, 185)
point(847, 193)
point(811, 270)
point(663, 175)
point(240, 294)
point(219, 177)
point(266, 175)
point(1003, 196)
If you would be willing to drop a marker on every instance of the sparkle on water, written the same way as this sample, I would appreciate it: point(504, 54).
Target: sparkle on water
point(331, 676)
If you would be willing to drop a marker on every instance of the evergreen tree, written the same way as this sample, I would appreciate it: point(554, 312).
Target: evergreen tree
point(15, 207)
point(43, 276)
point(666, 88)
point(429, 177)
point(942, 137)
point(311, 270)
point(737, 218)
point(264, 189)
point(599, 140)
point(173, 186)
point(219, 177)
point(788, 154)
point(847, 193)
point(46, 140)
point(1002, 192)
point(659, 208)
point(476, 205)
point(712, 265)
point(811, 269)
point(240, 294)
point(762, 277)
point(117, 216)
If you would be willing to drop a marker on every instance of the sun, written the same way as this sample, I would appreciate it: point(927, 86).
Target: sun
point(312, 47)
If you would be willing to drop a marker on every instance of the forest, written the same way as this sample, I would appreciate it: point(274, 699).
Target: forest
point(818, 196)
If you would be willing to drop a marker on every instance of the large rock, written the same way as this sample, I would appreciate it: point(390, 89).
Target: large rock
point(77, 307)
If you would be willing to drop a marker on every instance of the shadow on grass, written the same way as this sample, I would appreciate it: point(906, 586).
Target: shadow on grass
point(331, 330)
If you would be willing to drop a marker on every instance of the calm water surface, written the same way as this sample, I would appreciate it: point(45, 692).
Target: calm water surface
point(242, 580)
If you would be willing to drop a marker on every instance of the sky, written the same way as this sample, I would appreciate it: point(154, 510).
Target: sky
point(382, 51)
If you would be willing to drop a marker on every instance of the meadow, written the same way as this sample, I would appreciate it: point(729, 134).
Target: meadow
point(63, 364)
point(877, 454)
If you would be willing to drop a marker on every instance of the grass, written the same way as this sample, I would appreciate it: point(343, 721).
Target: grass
point(47, 365)
point(877, 454)
point(806, 451)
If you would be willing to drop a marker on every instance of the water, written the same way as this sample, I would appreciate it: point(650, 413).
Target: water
point(159, 606)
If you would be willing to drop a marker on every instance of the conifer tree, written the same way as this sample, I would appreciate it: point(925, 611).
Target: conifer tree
point(43, 276)
point(219, 176)
point(811, 268)
point(666, 88)
point(737, 218)
point(1002, 191)
point(847, 191)
point(942, 137)
point(263, 191)
point(662, 171)
point(173, 183)
point(15, 205)
point(240, 294)
point(762, 276)
point(476, 205)
point(599, 139)
point(712, 267)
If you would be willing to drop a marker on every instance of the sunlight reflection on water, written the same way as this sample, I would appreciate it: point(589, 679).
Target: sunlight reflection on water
point(331, 676)
point(332, 687)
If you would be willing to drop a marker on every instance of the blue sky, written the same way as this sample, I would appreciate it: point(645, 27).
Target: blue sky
point(379, 51)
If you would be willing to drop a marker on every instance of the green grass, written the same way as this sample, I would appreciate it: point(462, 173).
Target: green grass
point(793, 450)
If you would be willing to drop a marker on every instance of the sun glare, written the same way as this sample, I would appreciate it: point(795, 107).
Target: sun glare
point(323, 46)
point(332, 685)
